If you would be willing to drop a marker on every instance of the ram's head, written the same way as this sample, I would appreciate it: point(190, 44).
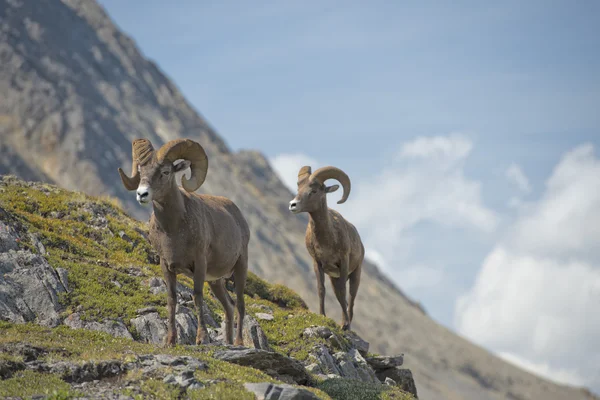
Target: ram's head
point(312, 189)
point(153, 172)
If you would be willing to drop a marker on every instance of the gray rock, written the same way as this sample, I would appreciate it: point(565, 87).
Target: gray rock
point(323, 358)
point(269, 391)
point(187, 325)
point(273, 364)
point(151, 328)
point(125, 237)
point(353, 366)
point(166, 359)
point(253, 334)
point(63, 275)
point(346, 366)
point(37, 243)
point(185, 379)
point(389, 381)
point(317, 331)
point(156, 285)
point(86, 372)
point(342, 364)
point(265, 316)
point(380, 363)
point(29, 288)
point(26, 351)
point(115, 328)
point(314, 368)
point(323, 332)
point(8, 237)
point(357, 342)
point(8, 367)
point(403, 378)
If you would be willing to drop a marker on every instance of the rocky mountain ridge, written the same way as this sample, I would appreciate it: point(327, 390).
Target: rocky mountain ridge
point(76, 91)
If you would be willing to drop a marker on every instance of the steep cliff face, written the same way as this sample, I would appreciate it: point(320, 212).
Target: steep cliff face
point(75, 92)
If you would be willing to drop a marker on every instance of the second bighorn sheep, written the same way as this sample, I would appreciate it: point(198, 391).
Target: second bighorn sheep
point(202, 236)
point(333, 242)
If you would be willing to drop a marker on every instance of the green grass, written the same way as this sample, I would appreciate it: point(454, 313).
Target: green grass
point(221, 391)
point(277, 294)
point(156, 389)
point(27, 384)
point(349, 389)
point(63, 343)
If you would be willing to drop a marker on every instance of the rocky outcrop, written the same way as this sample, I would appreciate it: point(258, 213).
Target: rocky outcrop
point(380, 363)
point(174, 370)
point(401, 377)
point(275, 364)
point(254, 335)
point(357, 342)
point(115, 328)
point(388, 371)
point(327, 362)
point(29, 286)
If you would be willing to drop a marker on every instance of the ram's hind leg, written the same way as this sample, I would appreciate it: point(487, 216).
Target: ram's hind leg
point(218, 288)
point(240, 272)
point(354, 279)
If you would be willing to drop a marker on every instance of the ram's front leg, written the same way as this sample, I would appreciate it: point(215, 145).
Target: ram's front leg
point(318, 267)
point(199, 277)
point(339, 288)
point(171, 283)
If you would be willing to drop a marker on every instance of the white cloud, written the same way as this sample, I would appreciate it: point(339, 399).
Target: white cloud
point(288, 165)
point(449, 148)
point(425, 183)
point(515, 174)
point(538, 291)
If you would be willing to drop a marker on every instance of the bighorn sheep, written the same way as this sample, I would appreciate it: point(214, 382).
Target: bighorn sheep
point(333, 243)
point(202, 236)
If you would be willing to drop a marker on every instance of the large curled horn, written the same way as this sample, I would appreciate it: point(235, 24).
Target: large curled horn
point(141, 153)
point(324, 173)
point(188, 150)
point(303, 173)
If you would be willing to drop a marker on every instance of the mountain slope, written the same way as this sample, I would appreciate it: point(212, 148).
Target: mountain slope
point(83, 312)
point(76, 91)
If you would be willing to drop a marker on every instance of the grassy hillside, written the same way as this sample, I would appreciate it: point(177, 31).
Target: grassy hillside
point(108, 262)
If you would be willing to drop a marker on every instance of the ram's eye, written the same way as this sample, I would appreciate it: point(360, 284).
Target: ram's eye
point(313, 191)
point(166, 172)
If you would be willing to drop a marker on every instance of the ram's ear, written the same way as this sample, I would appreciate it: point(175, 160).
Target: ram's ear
point(332, 188)
point(182, 166)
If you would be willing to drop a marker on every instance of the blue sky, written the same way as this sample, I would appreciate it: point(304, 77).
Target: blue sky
point(460, 117)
